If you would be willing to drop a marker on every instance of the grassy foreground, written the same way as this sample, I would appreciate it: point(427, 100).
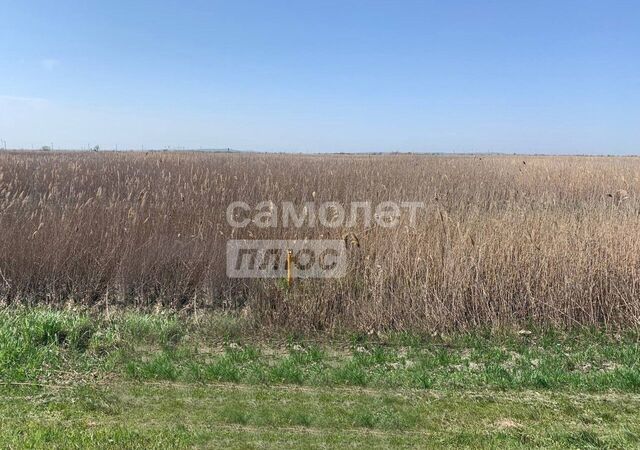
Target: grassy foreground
point(156, 381)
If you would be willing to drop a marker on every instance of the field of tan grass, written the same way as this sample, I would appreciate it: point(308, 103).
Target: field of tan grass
point(501, 240)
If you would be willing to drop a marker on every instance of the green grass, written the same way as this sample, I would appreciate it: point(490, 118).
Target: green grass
point(41, 345)
point(170, 415)
point(68, 379)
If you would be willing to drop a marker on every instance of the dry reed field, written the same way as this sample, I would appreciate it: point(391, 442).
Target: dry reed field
point(501, 241)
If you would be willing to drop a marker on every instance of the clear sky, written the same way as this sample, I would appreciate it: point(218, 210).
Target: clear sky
point(466, 76)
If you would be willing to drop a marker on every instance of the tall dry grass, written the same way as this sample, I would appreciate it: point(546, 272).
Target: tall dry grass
point(502, 240)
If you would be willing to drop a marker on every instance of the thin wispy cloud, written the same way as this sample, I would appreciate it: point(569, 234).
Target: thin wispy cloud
point(6, 99)
point(10, 102)
point(49, 64)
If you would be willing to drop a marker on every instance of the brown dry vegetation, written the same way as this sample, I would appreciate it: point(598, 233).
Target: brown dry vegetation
point(499, 243)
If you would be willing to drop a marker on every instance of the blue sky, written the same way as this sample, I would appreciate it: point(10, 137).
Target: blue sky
point(311, 76)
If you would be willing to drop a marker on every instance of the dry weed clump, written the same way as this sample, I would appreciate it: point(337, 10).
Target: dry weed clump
point(554, 241)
